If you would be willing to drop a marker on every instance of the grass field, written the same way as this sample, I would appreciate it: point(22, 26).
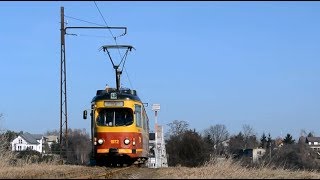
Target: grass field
point(211, 170)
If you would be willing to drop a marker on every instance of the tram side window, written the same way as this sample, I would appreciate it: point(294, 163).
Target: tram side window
point(148, 124)
point(138, 115)
point(144, 121)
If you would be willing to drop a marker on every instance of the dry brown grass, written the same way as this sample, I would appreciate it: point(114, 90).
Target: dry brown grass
point(226, 169)
point(47, 171)
point(12, 167)
point(212, 170)
point(233, 170)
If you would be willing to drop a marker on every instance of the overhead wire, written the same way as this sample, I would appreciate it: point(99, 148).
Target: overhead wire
point(115, 39)
point(125, 70)
point(104, 21)
point(83, 20)
point(86, 35)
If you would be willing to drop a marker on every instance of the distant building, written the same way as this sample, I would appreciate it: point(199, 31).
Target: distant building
point(312, 142)
point(254, 154)
point(27, 141)
point(257, 154)
point(278, 142)
point(36, 142)
point(51, 139)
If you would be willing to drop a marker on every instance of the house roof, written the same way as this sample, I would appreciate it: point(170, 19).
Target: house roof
point(37, 136)
point(313, 139)
point(31, 138)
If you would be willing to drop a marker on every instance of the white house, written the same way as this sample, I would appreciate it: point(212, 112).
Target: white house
point(28, 141)
point(312, 142)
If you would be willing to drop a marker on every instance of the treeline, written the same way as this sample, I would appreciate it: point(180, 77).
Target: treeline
point(187, 147)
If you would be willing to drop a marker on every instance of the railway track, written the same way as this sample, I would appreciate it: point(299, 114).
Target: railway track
point(107, 174)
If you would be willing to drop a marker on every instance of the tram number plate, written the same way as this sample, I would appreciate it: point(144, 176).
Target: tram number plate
point(114, 141)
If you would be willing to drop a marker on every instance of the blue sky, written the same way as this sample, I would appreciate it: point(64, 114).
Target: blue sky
point(206, 63)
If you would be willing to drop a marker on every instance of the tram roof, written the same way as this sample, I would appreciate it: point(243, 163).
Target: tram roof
point(113, 94)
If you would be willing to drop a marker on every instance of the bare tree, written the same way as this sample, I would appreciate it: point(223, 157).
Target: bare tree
point(6, 155)
point(177, 127)
point(236, 144)
point(295, 157)
point(250, 137)
point(247, 130)
point(303, 132)
point(216, 135)
point(79, 146)
point(52, 133)
point(1, 116)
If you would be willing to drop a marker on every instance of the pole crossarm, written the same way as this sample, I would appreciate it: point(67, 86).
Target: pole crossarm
point(97, 27)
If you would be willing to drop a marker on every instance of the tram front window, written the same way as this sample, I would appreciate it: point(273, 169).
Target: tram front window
point(115, 117)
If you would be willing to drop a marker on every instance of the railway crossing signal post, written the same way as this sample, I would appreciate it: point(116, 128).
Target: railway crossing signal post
point(156, 108)
point(159, 149)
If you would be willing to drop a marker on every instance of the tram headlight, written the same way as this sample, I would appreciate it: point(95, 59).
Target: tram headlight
point(133, 141)
point(126, 141)
point(100, 141)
